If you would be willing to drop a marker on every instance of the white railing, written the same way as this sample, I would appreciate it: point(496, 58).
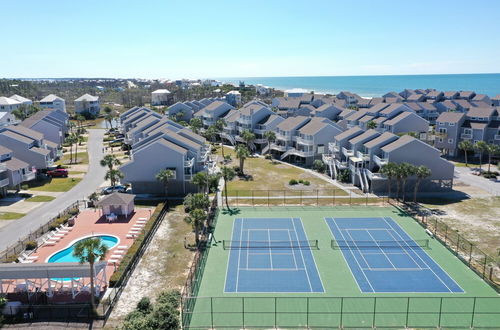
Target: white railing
point(305, 141)
point(29, 176)
point(4, 182)
point(466, 136)
point(347, 152)
point(363, 156)
point(260, 141)
point(278, 147)
point(333, 148)
point(327, 158)
point(340, 165)
point(375, 176)
point(380, 161)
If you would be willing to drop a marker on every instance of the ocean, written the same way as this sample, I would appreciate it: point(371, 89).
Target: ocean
point(372, 86)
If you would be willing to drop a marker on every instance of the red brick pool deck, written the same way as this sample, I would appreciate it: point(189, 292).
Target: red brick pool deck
point(90, 223)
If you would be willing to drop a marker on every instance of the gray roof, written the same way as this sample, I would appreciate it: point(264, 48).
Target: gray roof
point(400, 117)
point(291, 123)
point(382, 139)
point(4, 150)
point(249, 109)
point(313, 126)
point(25, 131)
point(450, 117)
point(15, 164)
point(116, 198)
point(481, 112)
point(87, 97)
point(405, 139)
point(35, 118)
point(354, 131)
point(369, 134)
point(17, 137)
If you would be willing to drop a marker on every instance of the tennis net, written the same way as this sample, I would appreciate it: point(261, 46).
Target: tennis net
point(422, 243)
point(230, 244)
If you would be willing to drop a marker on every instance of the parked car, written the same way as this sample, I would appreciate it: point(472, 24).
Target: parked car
point(58, 173)
point(109, 190)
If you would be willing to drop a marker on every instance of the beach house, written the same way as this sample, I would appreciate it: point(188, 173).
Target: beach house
point(53, 102)
point(88, 105)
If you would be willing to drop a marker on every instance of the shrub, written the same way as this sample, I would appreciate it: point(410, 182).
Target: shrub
point(306, 183)
point(31, 245)
point(25, 187)
point(268, 156)
point(319, 166)
point(301, 181)
point(11, 259)
point(292, 182)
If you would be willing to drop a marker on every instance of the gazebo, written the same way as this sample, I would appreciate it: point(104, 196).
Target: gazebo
point(117, 203)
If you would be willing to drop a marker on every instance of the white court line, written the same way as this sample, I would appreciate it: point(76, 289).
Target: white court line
point(274, 269)
point(293, 251)
point(432, 270)
point(390, 231)
point(357, 247)
point(382, 250)
point(270, 251)
point(392, 269)
point(266, 254)
point(302, 255)
point(239, 255)
point(354, 257)
point(248, 238)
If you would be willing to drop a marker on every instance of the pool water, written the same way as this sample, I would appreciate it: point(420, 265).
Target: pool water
point(66, 255)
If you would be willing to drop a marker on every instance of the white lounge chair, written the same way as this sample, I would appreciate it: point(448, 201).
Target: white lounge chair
point(116, 256)
point(24, 255)
point(118, 251)
point(122, 247)
point(130, 236)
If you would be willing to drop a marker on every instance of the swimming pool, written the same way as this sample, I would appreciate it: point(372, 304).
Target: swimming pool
point(66, 255)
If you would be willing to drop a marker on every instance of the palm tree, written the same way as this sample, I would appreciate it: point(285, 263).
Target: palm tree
point(491, 150)
point(196, 218)
point(270, 136)
point(196, 124)
point(200, 179)
point(164, 177)
point(481, 147)
point(70, 140)
point(248, 137)
point(405, 170)
point(219, 127)
point(228, 174)
point(80, 119)
point(389, 170)
point(466, 146)
point(90, 250)
point(109, 119)
point(371, 124)
point(211, 133)
point(422, 173)
point(114, 176)
point(110, 161)
point(196, 201)
point(242, 153)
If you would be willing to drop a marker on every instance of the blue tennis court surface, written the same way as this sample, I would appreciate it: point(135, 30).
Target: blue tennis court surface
point(385, 267)
point(273, 266)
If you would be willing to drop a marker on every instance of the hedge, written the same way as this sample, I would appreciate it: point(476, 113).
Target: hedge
point(132, 252)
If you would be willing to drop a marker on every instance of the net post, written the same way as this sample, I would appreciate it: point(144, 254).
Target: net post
point(473, 313)
point(212, 311)
point(407, 312)
point(374, 311)
point(440, 312)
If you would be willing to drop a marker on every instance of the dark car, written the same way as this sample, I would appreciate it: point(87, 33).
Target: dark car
point(58, 173)
point(109, 190)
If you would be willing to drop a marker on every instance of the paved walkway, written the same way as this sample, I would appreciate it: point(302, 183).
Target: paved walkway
point(465, 175)
point(93, 179)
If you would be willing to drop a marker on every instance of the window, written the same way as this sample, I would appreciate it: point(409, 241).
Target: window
point(451, 124)
point(440, 124)
point(442, 130)
point(440, 139)
point(450, 140)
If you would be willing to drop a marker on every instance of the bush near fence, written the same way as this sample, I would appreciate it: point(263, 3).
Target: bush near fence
point(117, 277)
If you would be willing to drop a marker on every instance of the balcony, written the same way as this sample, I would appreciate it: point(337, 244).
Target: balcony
point(3, 167)
point(466, 136)
point(333, 148)
point(380, 161)
point(29, 176)
point(327, 158)
point(278, 147)
point(303, 153)
point(4, 182)
point(260, 141)
point(497, 137)
point(306, 142)
point(363, 156)
point(189, 163)
point(375, 176)
point(347, 152)
point(340, 165)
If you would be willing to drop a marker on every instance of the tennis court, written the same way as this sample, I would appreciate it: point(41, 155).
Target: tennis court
point(271, 255)
point(384, 258)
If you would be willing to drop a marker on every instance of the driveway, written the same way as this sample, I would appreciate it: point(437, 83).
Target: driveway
point(465, 175)
point(93, 179)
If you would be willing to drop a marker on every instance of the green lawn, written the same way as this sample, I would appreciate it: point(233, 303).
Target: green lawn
point(40, 198)
point(54, 184)
point(342, 303)
point(81, 158)
point(270, 175)
point(11, 215)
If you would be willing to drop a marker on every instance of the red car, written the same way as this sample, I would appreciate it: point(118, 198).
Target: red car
point(58, 173)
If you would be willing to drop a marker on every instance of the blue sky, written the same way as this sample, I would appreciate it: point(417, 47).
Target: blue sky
point(198, 39)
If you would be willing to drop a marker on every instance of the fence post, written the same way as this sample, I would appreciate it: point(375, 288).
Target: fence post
point(237, 199)
point(341, 325)
point(243, 311)
point(252, 199)
point(473, 313)
point(470, 253)
point(275, 312)
point(300, 197)
point(307, 314)
point(446, 234)
point(317, 197)
point(374, 311)
point(350, 198)
point(440, 311)
point(268, 198)
point(284, 197)
point(407, 311)
point(458, 244)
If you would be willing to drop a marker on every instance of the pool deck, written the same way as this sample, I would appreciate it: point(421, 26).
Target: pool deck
point(90, 223)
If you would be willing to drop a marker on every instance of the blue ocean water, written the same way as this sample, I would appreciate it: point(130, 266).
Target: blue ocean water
point(371, 86)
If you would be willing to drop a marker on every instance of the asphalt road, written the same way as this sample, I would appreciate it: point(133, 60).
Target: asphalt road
point(93, 179)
